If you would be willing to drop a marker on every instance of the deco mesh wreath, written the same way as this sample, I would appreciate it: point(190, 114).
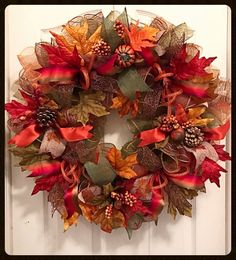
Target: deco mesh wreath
point(179, 108)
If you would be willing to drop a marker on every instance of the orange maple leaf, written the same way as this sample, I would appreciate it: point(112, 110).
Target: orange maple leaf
point(124, 105)
point(123, 167)
point(141, 37)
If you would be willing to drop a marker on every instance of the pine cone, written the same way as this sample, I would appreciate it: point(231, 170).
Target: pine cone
point(193, 136)
point(101, 48)
point(169, 123)
point(46, 117)
point(119, 28)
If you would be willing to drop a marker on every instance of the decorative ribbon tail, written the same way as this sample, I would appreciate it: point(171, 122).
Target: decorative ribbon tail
point(52, 74)
point(157, 202)
point(108, 67)
point(73, 134)
point(188, 181)
point(197, 91)
point(217, 133)
point(148, 56)
point(71, 201)
point(25, 137)
point(151, 136)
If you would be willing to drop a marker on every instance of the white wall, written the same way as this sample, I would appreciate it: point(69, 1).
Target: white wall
point(29, 226)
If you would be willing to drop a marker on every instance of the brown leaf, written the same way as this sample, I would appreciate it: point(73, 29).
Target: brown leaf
point(107, 224)
point(177, 199)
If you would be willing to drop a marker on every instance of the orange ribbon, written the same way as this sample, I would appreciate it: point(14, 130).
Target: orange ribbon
point(73, 134)
point(151, 136)
point(25, 137)
point(217, 133)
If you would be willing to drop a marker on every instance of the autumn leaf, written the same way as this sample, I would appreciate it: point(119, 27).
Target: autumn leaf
point(194, 68)
point(89, 104)
point(73, 220)
point(87, 211)
point(211, 170)
point(141, 37)
point(177, 199)
point(78, 37)
point(123, 167)
point(223, 155)
point(194, 114)
point(124, 105)
point(116, 220)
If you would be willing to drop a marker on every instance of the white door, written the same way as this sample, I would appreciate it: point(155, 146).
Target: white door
point(29, 227)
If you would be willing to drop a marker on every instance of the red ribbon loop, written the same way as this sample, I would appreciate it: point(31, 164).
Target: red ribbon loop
point(25, 137)
point(151, 136)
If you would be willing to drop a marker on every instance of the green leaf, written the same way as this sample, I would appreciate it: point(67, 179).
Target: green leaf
point(130, 81)
point(25, 151)
point(33, 159)
point(101, 173)
point(90, 103)
point(129, 148)
point(138, 125)
point(107, 189)
point(108, 33)
point(135, 222)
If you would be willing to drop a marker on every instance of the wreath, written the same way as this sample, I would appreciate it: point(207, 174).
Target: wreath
point(178, 108)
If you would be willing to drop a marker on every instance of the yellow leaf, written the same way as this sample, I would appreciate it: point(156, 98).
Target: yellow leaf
point(123, 167)
point(87, 211)
point(79, 39)
point(70, 221)
point(195, 113)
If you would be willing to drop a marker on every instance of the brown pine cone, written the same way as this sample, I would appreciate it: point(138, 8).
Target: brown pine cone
point(46, 117)
point(193, 136)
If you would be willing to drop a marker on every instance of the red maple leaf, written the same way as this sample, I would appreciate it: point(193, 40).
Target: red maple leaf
point(223, 155)
point(16, 109)
point(186, 70)
point(211, 170)
point(60, 56)
point(46, 183)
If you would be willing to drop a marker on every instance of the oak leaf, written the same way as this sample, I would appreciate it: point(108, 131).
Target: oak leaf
point(123, 167)
point(141, 37)
point(89, 104)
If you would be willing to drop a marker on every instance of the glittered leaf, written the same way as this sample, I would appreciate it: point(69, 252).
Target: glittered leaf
point(123, 167)
point(130, 82)
point(177, 200)
point(89, 104)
